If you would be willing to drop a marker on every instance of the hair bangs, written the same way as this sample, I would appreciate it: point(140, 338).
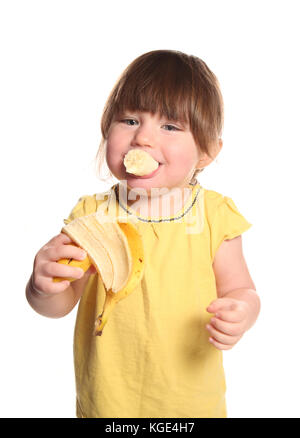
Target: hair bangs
point(157, 84)
point(160, 94)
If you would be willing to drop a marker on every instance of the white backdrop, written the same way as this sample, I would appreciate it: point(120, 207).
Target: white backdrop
point(60, 60)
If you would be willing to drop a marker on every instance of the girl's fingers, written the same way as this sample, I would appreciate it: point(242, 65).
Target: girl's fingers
point(219, 345)
point(46, 286)
point(53, 269)
point(60, 238)
point(228, 328)
point(220, 337)
point(221, 304)
point(230, 315)
point(56, 253)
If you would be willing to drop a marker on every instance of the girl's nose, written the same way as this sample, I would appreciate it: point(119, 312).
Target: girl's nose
point(144, 136)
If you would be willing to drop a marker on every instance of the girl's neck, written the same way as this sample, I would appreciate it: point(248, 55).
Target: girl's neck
point(160, 202)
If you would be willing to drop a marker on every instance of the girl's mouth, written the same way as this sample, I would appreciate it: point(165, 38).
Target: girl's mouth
point(150, 175)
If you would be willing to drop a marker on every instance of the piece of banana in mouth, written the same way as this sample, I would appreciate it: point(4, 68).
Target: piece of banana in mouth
point(139, 162)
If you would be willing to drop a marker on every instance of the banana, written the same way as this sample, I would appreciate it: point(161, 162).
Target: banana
point(115, 248)
point(83, 264)
point(139, 162)
point(135, 276)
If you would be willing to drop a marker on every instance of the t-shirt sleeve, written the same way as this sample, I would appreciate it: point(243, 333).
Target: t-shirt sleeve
point(227, 223)
point(85, 205)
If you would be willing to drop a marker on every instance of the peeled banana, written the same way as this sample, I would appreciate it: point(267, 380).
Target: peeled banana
point(115, 248)
point(139, 162)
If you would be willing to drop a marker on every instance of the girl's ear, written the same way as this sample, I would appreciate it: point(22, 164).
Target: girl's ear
point(205, 159)
point(216, 148)
point(220, 144)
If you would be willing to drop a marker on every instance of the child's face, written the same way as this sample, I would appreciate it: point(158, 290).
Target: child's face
point(170, 143)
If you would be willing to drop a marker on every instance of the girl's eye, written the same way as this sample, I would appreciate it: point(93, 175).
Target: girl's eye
point(129, 122)
point(171, 128)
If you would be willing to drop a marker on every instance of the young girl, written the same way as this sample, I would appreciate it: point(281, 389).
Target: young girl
point(160, 354)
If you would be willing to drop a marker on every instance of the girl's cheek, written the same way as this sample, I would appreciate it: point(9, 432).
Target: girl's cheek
point(114, 159)
point(110, 156)
point(180, 160)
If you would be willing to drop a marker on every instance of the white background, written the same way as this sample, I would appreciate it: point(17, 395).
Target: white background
point(59, 61)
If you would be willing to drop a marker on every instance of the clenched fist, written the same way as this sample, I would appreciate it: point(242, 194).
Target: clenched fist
point(230, 322)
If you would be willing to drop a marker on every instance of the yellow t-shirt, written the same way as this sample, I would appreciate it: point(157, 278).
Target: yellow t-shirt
point(153, 359)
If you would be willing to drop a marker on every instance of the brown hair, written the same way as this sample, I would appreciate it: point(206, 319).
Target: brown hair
point(175, 85)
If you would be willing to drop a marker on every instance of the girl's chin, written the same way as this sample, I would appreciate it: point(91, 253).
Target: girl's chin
point(133, 183)
point(145, 181)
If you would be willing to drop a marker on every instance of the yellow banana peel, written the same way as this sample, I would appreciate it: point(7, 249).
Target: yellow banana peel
point(115, 248)
point(135, 276)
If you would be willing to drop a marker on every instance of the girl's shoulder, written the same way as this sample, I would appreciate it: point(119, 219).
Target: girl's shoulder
point(213, 200)
point(219, 205)
point(213, 197)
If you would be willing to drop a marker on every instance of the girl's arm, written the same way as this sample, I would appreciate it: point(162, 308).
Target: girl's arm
point(56, 305)
point(238, 304)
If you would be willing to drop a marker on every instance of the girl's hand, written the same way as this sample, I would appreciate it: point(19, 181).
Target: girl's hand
point(229, 323)
point(45, 266)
